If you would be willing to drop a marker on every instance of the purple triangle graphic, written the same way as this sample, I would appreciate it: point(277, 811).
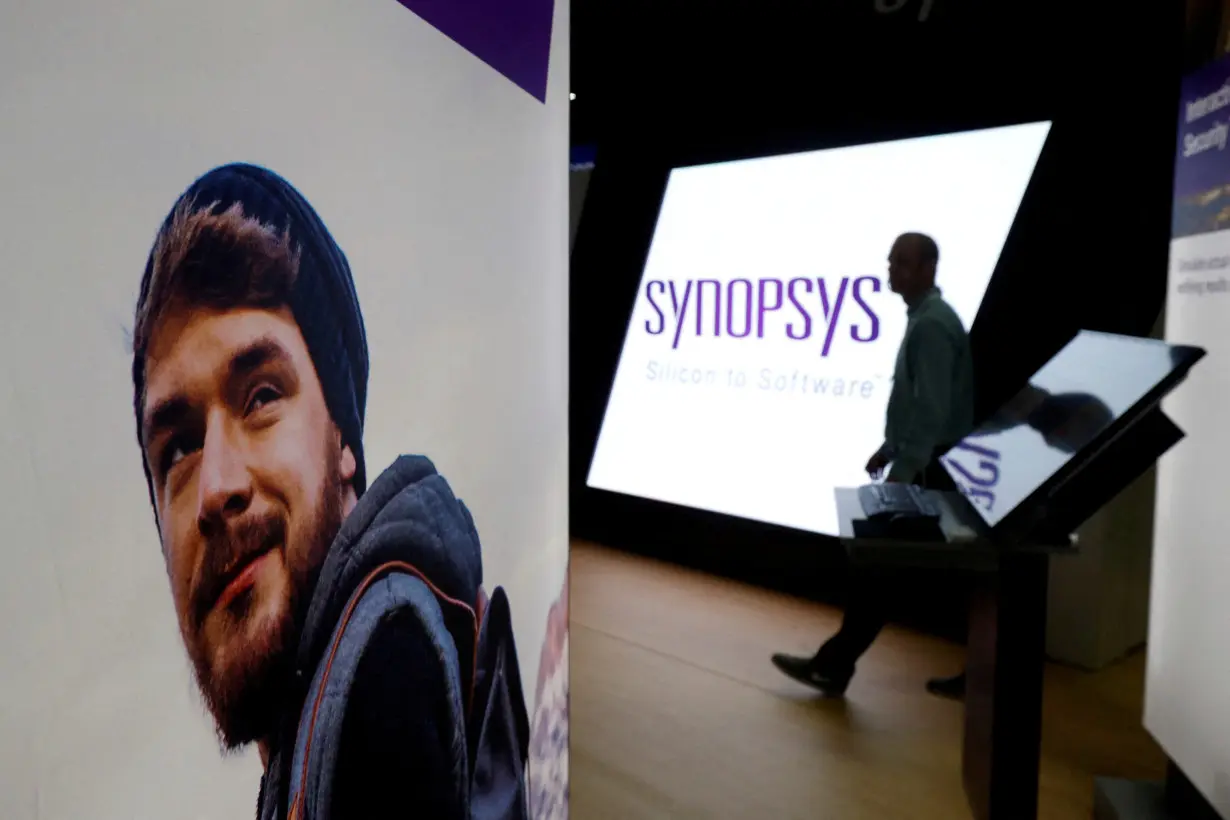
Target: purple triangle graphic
point(511, 36)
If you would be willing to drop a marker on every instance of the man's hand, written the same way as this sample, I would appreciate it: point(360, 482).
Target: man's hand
point(876, 464)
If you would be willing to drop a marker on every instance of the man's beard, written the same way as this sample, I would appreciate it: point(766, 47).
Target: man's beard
point(247, 698)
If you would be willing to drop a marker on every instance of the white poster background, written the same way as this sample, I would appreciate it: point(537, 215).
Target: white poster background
point(1188, 676)
point(446, 186)
point(775, 456)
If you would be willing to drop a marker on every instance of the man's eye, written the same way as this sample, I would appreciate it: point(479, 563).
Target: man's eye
point(262, 397)
point(176, 451)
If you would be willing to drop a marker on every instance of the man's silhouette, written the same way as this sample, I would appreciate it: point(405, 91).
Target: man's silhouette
point(930, 408)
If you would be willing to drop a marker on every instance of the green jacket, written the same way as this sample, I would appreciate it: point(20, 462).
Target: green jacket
point(932, 400)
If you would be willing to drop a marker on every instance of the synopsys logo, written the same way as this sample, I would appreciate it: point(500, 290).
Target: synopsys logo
point(741, 307)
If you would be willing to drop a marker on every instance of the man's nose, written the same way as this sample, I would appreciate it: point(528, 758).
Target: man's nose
point(225, 484)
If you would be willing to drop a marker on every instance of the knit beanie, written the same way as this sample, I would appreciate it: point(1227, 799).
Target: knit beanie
point(323, 299)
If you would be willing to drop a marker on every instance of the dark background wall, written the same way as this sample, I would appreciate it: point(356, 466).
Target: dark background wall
point(578, 184)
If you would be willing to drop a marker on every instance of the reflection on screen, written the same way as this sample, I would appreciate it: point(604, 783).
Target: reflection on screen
point(1078, 394)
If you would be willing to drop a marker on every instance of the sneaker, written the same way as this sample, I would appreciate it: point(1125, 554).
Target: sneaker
point(805, 671)
point(952, 688)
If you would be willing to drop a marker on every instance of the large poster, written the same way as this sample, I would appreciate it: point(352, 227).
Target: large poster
point(283, 364)
point(1188, 672)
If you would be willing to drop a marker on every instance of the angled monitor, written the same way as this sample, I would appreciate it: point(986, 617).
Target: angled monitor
point(1067, 419)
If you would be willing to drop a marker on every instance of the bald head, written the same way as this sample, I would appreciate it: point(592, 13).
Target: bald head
point(911, 265)
point(922, 246)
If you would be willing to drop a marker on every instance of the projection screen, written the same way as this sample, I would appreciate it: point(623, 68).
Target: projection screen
point(756, 367)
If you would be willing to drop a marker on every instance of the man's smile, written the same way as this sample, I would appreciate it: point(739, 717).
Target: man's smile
point(234, 562)
point(242, 579)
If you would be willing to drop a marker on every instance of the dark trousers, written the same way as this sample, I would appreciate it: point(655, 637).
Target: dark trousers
point(870, 594)
point(869, 597)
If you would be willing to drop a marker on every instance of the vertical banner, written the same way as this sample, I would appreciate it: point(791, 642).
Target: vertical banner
point(1188, 671)
point(283, 383)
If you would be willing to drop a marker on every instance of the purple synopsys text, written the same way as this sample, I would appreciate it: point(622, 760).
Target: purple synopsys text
point(741, 308)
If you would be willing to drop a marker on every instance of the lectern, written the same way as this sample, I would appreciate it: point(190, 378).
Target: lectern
point(1007, 642)
point(1087, 425)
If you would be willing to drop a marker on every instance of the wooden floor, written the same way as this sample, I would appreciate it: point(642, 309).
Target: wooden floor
point(677, 713)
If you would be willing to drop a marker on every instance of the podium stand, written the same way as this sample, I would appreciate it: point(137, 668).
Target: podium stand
point(1006, 653)
point(1092, 444)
